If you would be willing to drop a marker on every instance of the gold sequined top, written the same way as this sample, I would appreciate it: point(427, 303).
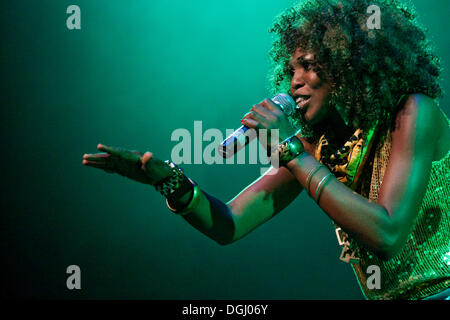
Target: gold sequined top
point(422, 267)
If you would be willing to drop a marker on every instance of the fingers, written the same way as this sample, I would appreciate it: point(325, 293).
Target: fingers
point(96, 156)
point(271, 106)
point(251, 123)
point(99, 165)
point(111, 150)
point(133, 156)
point(254, 119)
point(99, 161)
point(263, 112)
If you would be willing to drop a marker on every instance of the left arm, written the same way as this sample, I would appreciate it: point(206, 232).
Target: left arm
point(384, 225)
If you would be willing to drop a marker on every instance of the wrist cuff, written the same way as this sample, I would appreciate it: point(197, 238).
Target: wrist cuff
point(289, 149)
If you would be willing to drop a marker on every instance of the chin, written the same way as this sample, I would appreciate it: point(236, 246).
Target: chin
point(316, 113)
point(310, 120)
point(310, 116)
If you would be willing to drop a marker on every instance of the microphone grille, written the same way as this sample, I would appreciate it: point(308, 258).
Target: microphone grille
point(286, 103)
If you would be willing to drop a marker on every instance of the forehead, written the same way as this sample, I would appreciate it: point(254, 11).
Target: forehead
point(300, 53)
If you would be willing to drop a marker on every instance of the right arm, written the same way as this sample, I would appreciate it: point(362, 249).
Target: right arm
point(256, 204)
point(222, 222)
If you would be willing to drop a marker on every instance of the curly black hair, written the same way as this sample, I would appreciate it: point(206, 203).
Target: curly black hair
point(368, 69)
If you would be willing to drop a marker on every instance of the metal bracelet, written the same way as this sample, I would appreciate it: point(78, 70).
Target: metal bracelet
point(191, 205)
point(311, 173)
point(320, 187)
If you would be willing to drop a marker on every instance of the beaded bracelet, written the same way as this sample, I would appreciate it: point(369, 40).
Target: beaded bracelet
point(176, 184)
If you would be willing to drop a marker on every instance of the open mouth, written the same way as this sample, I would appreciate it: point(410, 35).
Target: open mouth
point(302, 101)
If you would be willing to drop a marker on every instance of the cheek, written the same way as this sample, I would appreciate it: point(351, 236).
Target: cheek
point(314, 81)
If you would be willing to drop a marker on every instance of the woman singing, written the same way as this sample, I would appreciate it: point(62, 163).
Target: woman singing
point(367, 141)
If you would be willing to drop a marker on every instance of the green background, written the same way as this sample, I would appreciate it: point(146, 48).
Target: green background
point(135, 72)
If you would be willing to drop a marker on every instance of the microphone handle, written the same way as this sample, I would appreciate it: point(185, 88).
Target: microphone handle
point(235, 142)
point(238, 139)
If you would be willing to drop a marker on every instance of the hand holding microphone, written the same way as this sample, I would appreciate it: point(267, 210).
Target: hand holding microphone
point(269, 114)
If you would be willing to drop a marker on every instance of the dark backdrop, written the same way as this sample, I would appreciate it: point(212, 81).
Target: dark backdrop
point(135, 72)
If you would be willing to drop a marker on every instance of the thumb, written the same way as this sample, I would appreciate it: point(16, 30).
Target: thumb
point(145, 158)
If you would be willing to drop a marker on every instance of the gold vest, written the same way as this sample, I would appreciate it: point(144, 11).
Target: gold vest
point(422, 267)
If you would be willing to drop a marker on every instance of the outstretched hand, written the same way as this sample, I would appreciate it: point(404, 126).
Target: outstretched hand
point(133, 164)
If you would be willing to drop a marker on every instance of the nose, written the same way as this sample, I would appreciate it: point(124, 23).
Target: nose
point(297, 80)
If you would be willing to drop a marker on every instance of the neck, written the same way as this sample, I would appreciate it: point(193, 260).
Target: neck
point(334, 127)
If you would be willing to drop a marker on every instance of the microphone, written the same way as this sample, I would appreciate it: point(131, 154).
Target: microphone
point(239, 139)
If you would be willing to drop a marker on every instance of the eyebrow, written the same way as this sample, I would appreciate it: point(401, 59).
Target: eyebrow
point(300, 59)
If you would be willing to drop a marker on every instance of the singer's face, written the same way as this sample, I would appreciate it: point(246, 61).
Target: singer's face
point(309, 91)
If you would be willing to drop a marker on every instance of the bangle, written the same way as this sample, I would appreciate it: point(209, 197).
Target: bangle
point(192, 203)
point(289, 149)
point(311, 173)
point(320, 187)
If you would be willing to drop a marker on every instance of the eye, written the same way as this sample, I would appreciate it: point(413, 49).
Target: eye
point(307, 65)
point(291, 71)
